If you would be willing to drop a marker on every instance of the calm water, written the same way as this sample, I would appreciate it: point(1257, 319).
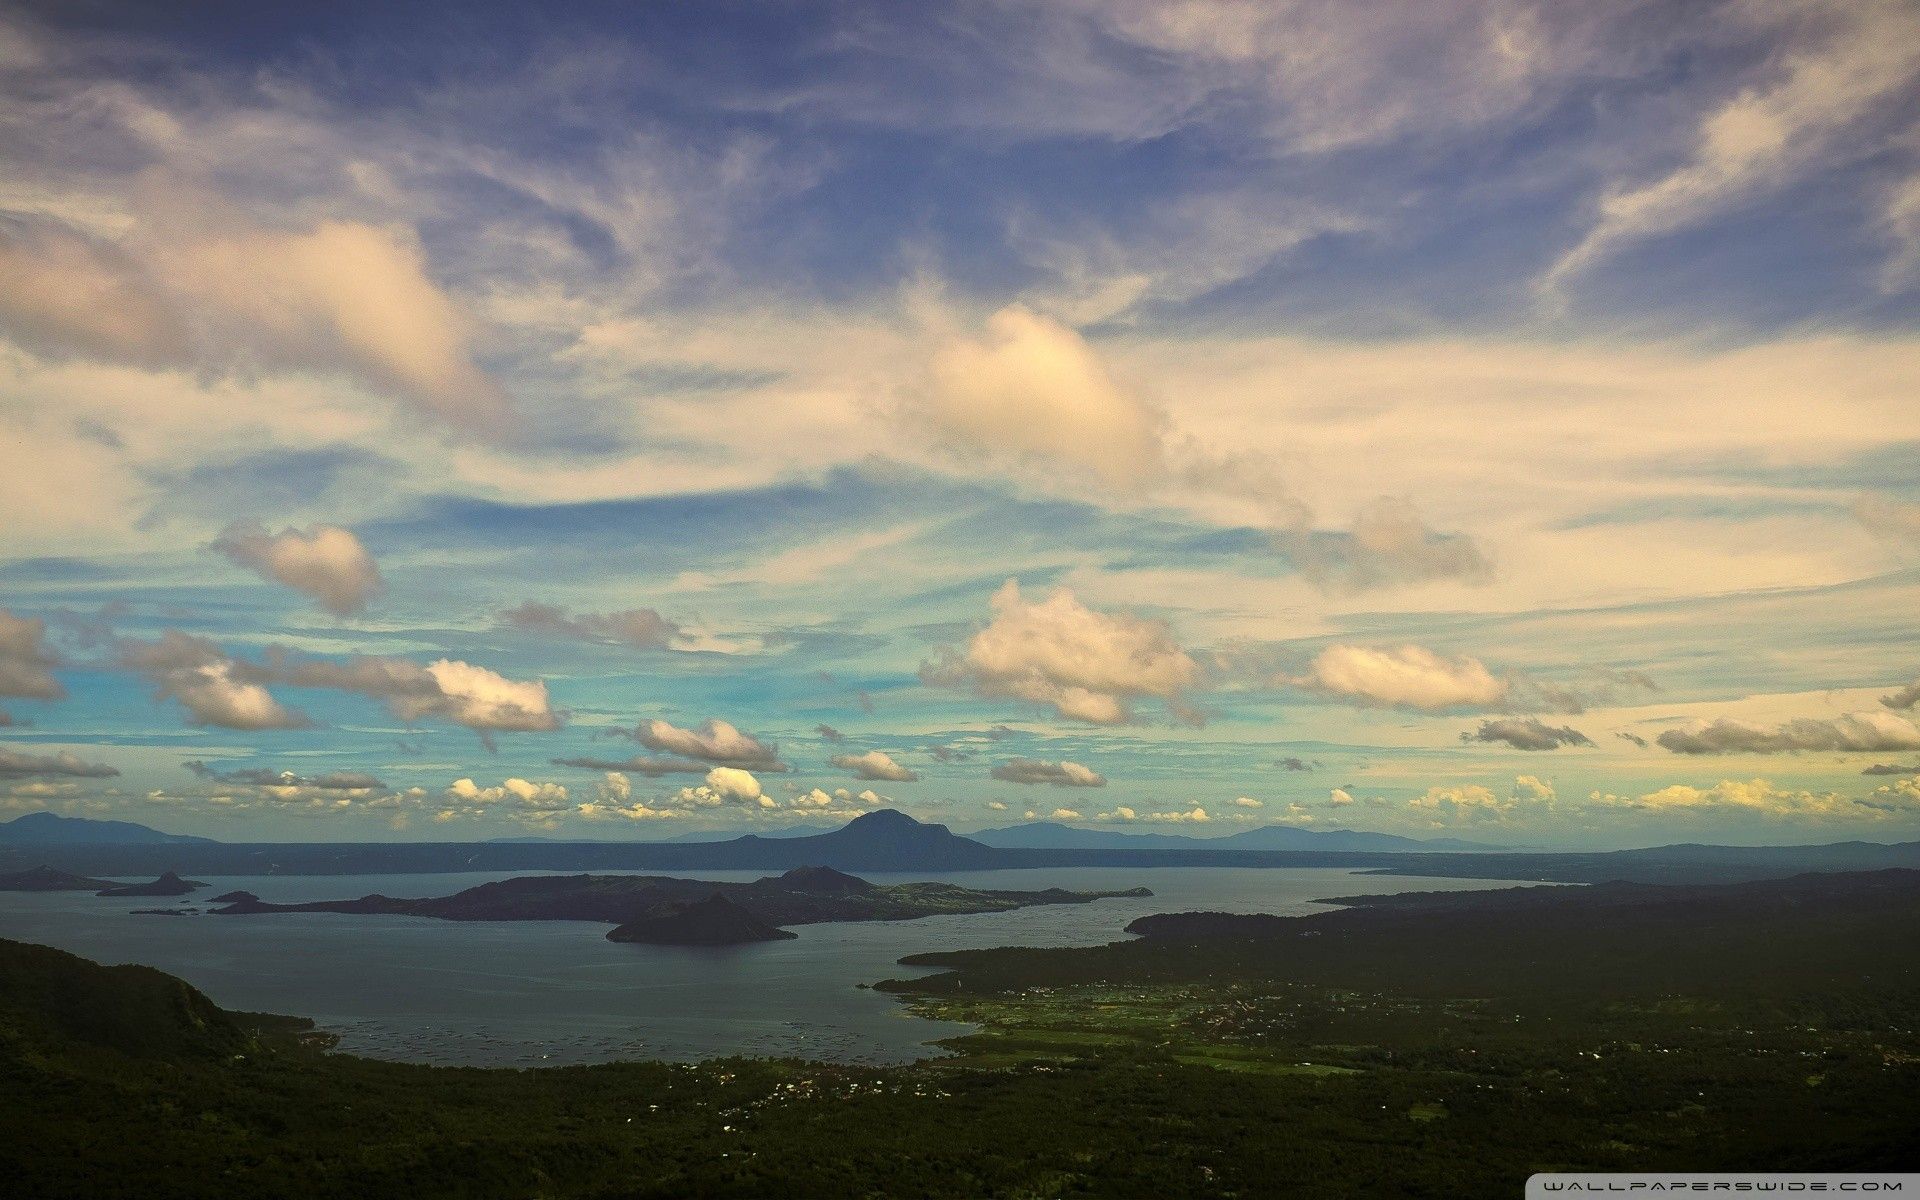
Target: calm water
point(539, 993)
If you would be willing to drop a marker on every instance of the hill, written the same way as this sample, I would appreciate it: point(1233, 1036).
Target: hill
point(46, 879)
point(1050, 835)
point(51, 829)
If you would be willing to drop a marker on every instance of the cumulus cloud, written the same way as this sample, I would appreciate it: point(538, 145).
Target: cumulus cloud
point(642, 628)
point(726, 785)
point(1754, 795)
point(1087, 665)
point(716, 741)
point(613, 800)
point(1892, 769)
point(1402, 677)
point(15, 764)
point(1032, 389)
point(325, 562)
point(875, 765)
point(1248, 802)
point(519, 789)
point(1528, 733)
point(1057, 774)
point(1532, 789)
point(1193, 816)
point(1339, 798)
point(25, 662)
point(1860, 731)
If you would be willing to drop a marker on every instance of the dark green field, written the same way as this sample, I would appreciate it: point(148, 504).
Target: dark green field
point(1442, 1048)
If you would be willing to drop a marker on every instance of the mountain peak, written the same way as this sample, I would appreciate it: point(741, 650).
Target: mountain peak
point(885, 818)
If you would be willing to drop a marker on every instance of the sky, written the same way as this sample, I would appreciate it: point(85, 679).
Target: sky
point(1462, 418)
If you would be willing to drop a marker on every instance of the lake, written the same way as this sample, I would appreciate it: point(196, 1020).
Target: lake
point(549, 993)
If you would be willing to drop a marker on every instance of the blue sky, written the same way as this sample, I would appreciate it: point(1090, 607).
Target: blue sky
point(1472, 419)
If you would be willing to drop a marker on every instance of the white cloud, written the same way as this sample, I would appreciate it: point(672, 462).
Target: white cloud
point(716, 741)
point(876, 765)
point(1339, 798)
point(1402, 677)
point(325, 562)
point(1754, 795)
point(732, 783)
point(1248, 802)
point(1064, 814)
point(214, 293)
point(1033, 389)
point(1057, 774)
point(1086, 665)
point(1193, 816)
point(1532, 789)
point(545, 797)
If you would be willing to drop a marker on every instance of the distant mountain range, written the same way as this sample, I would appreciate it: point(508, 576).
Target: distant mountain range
point(889, 841)
point(51, 829)
point(1050, 835)
point(678, 839)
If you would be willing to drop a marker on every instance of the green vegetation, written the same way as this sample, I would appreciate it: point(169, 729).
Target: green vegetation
point(1322, 1057)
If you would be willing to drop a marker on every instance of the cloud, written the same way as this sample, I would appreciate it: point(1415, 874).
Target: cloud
point(1855, 732)
point(25, 662)
point(1294, 763)
point(1768, 134)
point(1248, 802)
point(1032, 389)
point(726, 785)
point(15, 764)
point(330, 781)
point(1755, 795)
point(829, 733)
point(539, 799)
point(1064, 814)
point(1087, 665)
point(874, 765)
point(451, 690)
point(1058, 774)
point(1527, 733)
point(325, 562)
point(213, 294)
point(997, 805)
point(1903, 698)
point(206, 682)
point(1339, 798)
point(1402, 677)
point(1889, 520)
point(642, 628)
point(716, 741)
point(652, 768)
point(1892, 769)
point(1389, 544)
point(1194, 816)
point(218, 689)
point(1532, 789)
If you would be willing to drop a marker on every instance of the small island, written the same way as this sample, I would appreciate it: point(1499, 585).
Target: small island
point(660, 908)
point(168, 884)
point(715, 921)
